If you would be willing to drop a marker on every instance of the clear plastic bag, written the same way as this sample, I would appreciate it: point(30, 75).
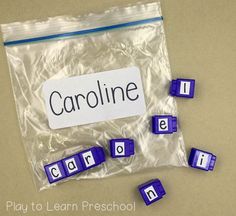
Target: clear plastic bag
point(42, 50)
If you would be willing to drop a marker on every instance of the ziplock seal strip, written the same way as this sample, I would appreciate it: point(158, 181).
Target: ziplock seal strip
point(84, 32)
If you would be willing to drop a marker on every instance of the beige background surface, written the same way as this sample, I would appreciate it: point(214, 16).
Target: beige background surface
point(201, 38)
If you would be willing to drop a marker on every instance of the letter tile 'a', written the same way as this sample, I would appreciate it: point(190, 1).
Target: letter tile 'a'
point(72, 165)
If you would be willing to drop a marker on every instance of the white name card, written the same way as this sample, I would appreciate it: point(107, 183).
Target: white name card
point(94, 97)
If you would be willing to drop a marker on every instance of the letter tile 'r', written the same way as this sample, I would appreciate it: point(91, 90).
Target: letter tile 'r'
point(92, 157)
point(88, 159)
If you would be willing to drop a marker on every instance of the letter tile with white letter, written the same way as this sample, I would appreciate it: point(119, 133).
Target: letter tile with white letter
point(122, 147)
point(55, 171)
point(182, 88)
point(92, 157)
point(72, 165)
point(164, 124)
point(200, 159)
point(151, 191)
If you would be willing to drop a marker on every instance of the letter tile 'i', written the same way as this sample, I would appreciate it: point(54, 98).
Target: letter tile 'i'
point(151, 191)
point(200, 159)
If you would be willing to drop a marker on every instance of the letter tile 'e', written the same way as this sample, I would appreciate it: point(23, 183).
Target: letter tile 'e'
point(92, 157)
point(122, 147)
point(151, 191)
point(164, 124)
point(182, 88)
point(201, 159)
point(55, 171)
point(72, 165)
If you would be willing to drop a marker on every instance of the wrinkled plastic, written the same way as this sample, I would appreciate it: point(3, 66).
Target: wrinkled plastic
point(144, 46)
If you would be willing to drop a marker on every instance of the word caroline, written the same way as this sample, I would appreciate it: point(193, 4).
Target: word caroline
point(94, 97)
point(100, 95)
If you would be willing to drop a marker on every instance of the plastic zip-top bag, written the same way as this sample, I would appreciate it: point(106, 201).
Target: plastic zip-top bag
point(80, 83)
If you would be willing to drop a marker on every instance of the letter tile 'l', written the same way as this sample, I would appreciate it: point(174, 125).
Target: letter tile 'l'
point(182, 88)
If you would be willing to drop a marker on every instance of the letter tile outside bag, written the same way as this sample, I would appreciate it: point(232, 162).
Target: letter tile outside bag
point(74, 57)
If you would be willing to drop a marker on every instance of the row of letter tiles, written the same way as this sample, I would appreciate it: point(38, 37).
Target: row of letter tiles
point(122, 147)
point(200, 159)
point(74, 164)
point(151, 191)
point(182, 88)
point(164, 124)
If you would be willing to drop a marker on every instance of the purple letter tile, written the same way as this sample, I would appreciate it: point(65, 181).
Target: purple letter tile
point(151, 191)
point(164, 124)
point(122, 147)
point(55, 171)
point(201, 159)
point(92, 157)
point(182, 88)
point(72, 165)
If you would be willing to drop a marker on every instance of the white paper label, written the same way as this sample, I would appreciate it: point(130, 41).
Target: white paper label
point(94, 97)
point(71, 165)
point(119, 148)
point(150, 193)
point(202, 160)
point(163, 124)
point(55, 171)
point(184, 88)
point(88, 159)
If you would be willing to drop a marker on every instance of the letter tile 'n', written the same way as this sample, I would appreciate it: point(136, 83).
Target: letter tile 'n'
point(151, 191)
